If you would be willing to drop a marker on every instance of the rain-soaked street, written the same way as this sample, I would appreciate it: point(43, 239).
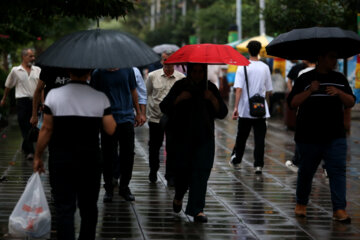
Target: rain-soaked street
point(239, 203)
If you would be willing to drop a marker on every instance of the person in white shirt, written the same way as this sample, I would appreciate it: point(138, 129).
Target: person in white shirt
point(214, 74)
point(158, 85)
point(259, 80)
point(24, 78)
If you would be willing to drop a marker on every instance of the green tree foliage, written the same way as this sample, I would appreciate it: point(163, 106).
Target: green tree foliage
point(285, 15)
point(24, 21)
point(213, 22)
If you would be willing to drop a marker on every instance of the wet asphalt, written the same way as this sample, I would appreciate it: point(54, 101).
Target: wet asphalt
point(239, 203)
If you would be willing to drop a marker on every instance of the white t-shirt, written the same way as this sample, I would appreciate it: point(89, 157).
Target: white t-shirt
point(259, 79)
point(214, 73)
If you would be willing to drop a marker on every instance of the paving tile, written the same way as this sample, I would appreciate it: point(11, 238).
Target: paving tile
point(239, 204)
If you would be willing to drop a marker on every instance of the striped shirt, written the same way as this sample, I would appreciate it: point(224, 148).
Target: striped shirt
point(320, 117)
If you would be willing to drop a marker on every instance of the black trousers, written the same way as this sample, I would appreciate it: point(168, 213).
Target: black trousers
point(75, 181)
point(244, 128)
point(194, 180)
point(118, 155)
point(156, 138)
point(24, 112)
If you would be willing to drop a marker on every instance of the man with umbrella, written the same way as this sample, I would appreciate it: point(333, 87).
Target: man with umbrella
point(321, 95)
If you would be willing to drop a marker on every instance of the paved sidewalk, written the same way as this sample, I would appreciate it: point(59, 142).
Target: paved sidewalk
point(239, 204)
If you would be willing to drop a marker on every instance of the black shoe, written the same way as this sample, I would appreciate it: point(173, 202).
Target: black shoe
point(153, 176)
point(170, 182)
point(126, 194)
point(177, 207)
point(108, 197)
point(200, 218)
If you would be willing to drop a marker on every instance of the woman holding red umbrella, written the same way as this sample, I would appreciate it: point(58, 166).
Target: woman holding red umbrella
point(192, 105)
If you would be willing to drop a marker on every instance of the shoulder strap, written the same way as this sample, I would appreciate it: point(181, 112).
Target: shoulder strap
point(246, 80)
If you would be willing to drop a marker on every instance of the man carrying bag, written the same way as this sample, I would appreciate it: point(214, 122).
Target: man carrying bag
point(251, 109)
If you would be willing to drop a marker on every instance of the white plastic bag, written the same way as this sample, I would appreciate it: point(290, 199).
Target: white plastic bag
point(31, 216)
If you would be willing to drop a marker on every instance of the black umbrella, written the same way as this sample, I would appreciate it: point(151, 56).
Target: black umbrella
point(98, 49)
point(307, 43)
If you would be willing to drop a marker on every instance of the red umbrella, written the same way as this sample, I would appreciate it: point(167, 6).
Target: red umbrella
point(207, 53)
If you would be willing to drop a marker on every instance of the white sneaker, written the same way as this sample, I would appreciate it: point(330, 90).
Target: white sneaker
point(232, 164)
point(325, 173)
point(258, 170)
point(291, 166)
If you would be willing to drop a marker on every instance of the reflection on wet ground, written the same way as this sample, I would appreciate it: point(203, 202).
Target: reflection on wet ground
point(239, 204)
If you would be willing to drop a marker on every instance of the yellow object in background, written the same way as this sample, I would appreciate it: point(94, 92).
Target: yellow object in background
point(263, 39)
point(357, 72)
point(280, 63)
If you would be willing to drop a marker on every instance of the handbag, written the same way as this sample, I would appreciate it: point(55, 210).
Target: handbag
point(256, 102)
point(31, 216)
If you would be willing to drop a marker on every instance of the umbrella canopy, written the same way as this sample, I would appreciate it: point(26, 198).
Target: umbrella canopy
point(97, 49)
point(263, 39)
point(159, 49)
point(207, 53)
point(234, 44)
point(307, 43)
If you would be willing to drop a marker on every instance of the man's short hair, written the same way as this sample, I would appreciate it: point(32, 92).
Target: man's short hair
point(254, 47)
point(24, 52)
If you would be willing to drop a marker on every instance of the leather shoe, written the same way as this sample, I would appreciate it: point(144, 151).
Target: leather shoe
point(126, 194)
point(202, 218)
point(300, 210)
point(108, 197)
point(340, 215)
point(177, 207)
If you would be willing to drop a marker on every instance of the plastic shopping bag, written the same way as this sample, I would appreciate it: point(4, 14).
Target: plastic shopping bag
point(31, 216)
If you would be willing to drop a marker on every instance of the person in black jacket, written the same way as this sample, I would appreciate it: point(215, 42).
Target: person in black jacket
point(191, 106)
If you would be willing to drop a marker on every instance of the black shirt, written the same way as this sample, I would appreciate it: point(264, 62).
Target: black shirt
point(320, 117)
point(53, 77)
point(294, 71)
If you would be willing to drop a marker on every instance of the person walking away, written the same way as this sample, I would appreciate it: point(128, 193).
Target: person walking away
point(279, 88)
point(259, 80)
point(142, 94)
point(290, 115)
point(73, 116)
point(50, 77)
point(158, 85)
point(119, 85)
point(24, 78)
point(192, 105)
point(321, 95)
point(142, 99)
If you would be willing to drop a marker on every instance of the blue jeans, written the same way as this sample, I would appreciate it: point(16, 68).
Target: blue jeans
point(334, 155)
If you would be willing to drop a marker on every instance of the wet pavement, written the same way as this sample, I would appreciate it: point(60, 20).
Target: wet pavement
point(239, 203)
